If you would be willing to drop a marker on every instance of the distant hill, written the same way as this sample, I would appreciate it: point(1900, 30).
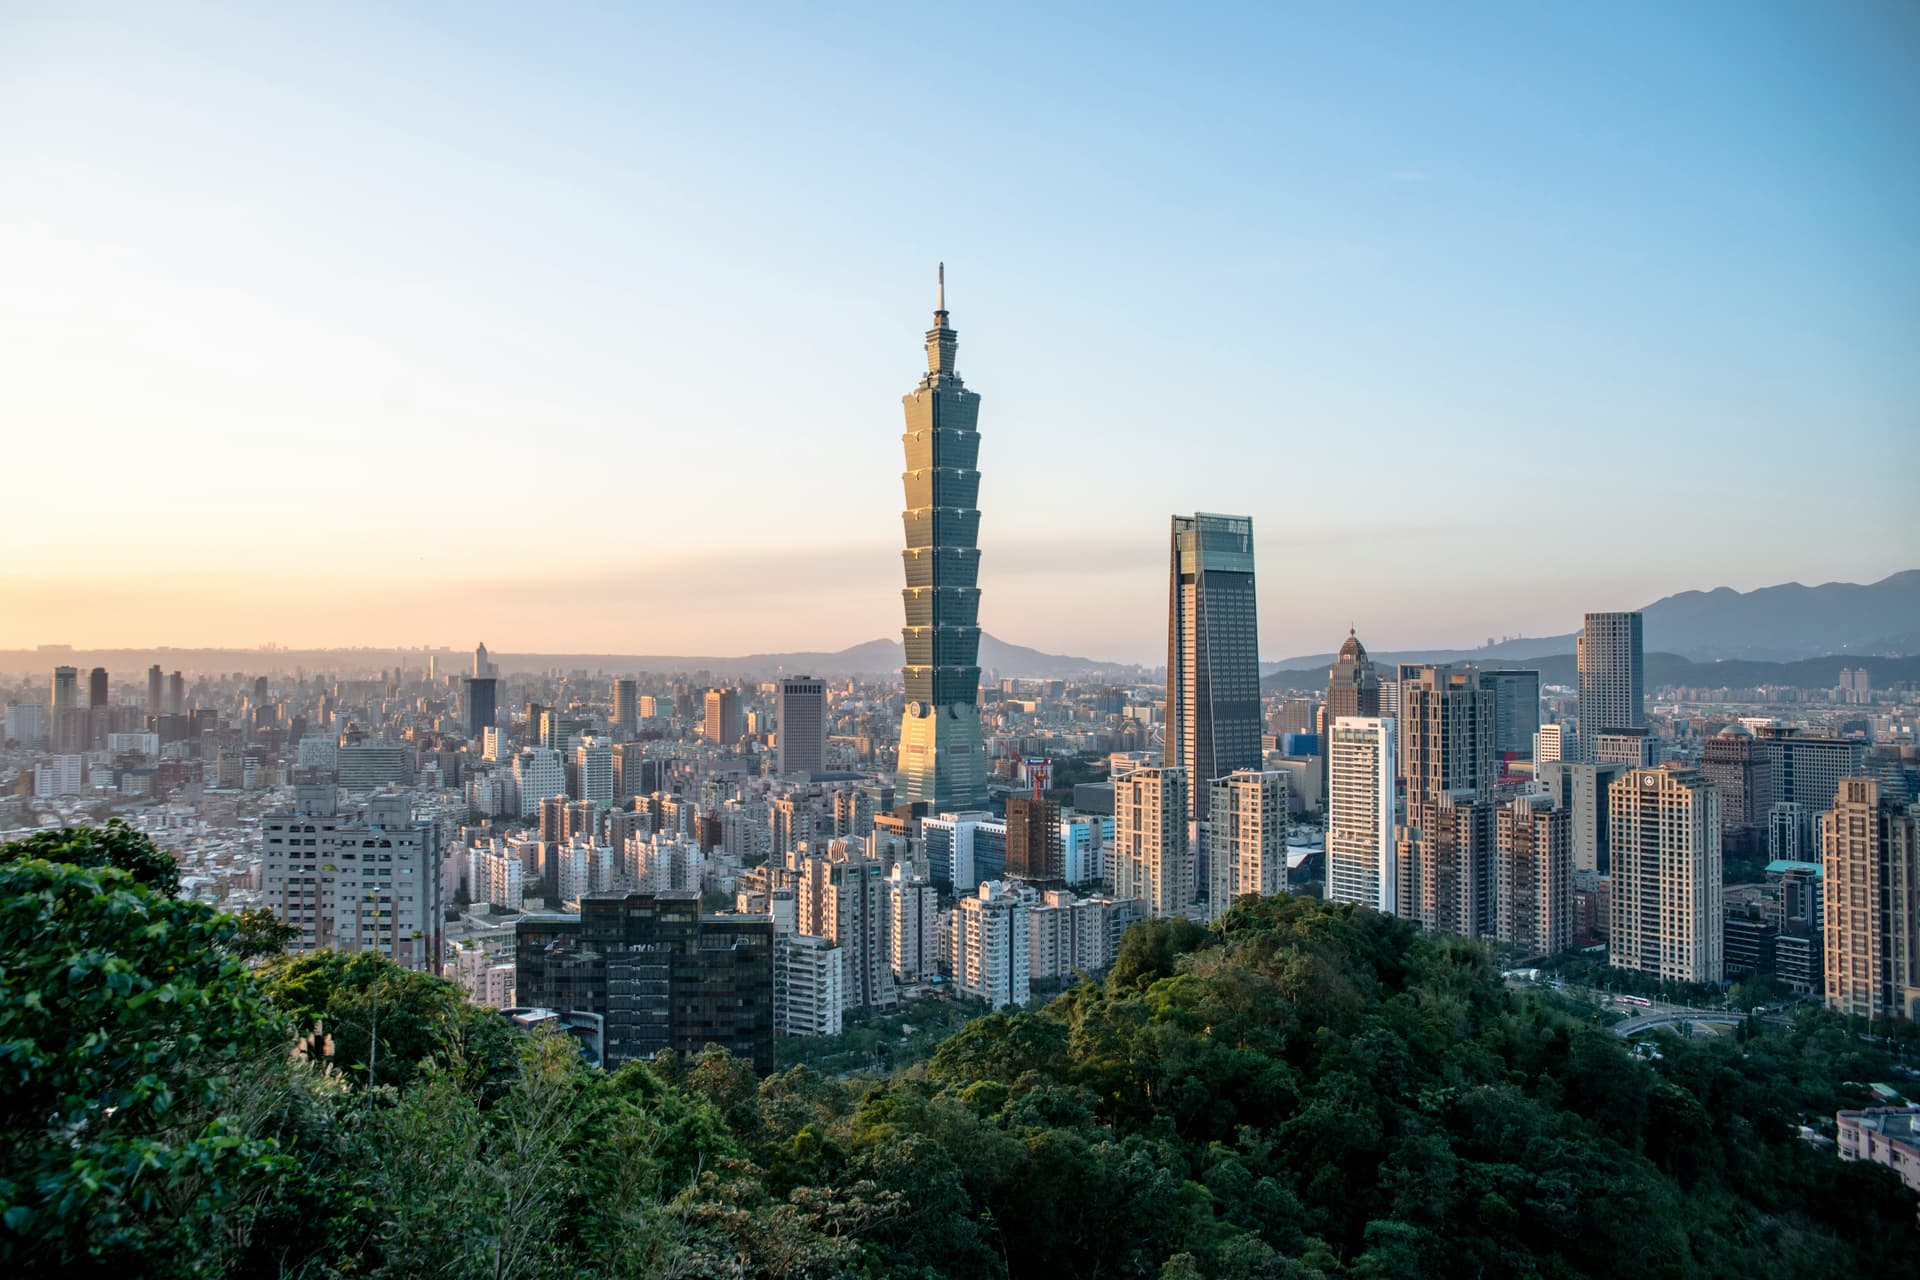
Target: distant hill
point(1783, 623)
point(1669, 669)
point(873, 657)
point(1786, 622)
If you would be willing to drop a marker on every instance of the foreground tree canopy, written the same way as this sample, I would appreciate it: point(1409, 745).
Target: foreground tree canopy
point(1305, 1090)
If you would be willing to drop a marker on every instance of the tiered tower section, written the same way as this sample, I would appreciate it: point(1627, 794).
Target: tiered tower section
point(942, 762)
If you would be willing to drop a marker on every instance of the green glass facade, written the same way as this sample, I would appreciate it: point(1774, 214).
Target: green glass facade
point(942, 760)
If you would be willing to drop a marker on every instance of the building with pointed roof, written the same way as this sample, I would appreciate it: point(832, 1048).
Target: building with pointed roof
point(1353, 686)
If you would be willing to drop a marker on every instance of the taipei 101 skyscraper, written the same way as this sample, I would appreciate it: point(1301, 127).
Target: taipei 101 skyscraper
point(942, 761)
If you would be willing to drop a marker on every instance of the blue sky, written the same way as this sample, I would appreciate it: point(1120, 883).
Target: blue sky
point(584, 328)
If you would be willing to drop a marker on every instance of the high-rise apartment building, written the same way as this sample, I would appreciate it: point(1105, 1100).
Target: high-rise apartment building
point(809, 995)
point(176, 694)
point(660, 974)
point(942, 762)
point(156, 690)
point(801, 726)
point(1362, 856)
point(1353, 686)
point(1213, 651)
point(722, 724)
point(634, 773)
point(538, 774)
point(912, 928)
point(366, 880)
point(1516, 710)
point(1665, 911)
point(1581, 789)
point(1612, 668)
point(1870, 849)
point(992, 946)
point(1446, 863)
point(1550, 743)
point(1152, 856)
point(1444, 852)
point(626, 707)
point(1533, 877)
point(558, 730)
point(593, 765)
point(1035, 853)
point(795, 822)
point(1446, 732)
point(846, 900)
point(551, 818)
point(1247, 828)
point(1067, 935)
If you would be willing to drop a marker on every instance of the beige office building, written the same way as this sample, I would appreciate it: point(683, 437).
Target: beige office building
point(722, 724)
point(1353, 686)
point(1665, 912)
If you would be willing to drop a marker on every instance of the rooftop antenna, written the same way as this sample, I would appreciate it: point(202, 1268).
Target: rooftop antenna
point(942, 305)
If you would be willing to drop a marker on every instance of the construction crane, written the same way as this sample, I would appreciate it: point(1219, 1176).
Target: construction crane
point(1039, 770)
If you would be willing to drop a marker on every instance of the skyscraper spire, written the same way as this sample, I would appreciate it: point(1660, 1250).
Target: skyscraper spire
point(942, 342)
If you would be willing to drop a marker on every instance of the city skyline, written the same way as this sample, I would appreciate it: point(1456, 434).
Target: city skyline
point(1337, 248)
point(473, 802)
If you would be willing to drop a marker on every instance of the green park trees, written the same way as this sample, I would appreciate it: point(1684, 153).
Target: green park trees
point(1306, 1091)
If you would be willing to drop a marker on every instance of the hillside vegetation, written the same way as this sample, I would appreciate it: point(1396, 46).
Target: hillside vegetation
point(1304, 1091)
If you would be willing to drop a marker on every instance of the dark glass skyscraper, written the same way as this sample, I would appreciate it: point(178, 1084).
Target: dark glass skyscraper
point(481, 705)
point(942, 762)
point(1213, 651)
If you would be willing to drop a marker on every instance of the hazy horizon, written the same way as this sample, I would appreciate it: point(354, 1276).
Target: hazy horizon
point(1385, 644)
point(586, 333)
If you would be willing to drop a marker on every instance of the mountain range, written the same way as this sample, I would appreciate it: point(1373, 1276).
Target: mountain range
point(1663, 670)
point(1779, 624)
point(1785, 624)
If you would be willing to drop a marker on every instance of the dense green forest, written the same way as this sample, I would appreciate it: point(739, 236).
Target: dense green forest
point(1304, 1091)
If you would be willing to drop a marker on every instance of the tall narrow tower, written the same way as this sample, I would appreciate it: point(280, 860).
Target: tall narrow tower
point(1612, 668)
point(1213, 651)
point(942, 762)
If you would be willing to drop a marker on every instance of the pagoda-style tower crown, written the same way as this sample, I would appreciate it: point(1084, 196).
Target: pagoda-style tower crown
point(942, 342)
